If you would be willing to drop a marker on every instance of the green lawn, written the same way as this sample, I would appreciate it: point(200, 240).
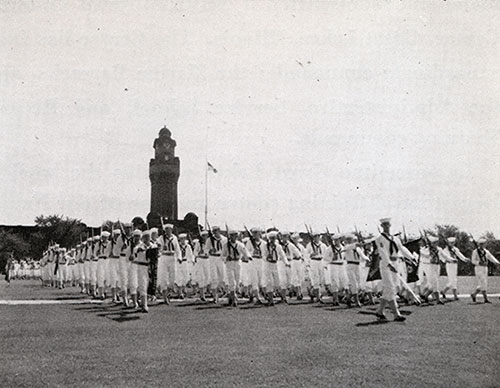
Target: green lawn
point(188, 344)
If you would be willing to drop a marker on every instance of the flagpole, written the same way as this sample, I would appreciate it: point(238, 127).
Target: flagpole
point(206, 193)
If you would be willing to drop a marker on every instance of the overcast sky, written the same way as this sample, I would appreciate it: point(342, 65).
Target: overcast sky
point(333, 113)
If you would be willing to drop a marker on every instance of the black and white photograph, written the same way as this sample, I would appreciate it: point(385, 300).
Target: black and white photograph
point(249, 193)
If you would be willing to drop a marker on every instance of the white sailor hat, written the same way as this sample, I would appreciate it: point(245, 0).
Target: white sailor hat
point(137, 232)
point(452, 239)
point(89, 239)
point(433, 239)
point(78, 245)
point(97, 238)
point(73, 250)
point(245, 239)
point(56, 245)
point(350, 236)
point(285, 233)
point(183, 235)
point(146, 233)
point(204, 233)
point(295, 235)
point(255, 229)
point(117, 231)
point(385, 220)
point(482, 240)
point(168, 226)
point(63, 250)
point(336, 236)
point(105, 233)
point(272, 233)
point(216, 227)
point(154, 230)
point(127, 225)
point(232, 231)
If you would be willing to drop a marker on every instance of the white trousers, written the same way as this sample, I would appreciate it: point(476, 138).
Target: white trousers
point(297, 273)
point(93, 273)
point(102, 269)
point(113, 270)
point(256, 273)
point(353, 275)
point(218, 271)
point(338, 277)
point(139, 279)
point(451, 272)
point(316, 273)
point(433, 277)
point(233, 269)
point(123, 270)
point(273, 276)
point(166, 271)
point(203, 272)
point(389, 283)
point(481, 277)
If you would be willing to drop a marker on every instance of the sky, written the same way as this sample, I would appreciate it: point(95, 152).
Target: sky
point(325, 113)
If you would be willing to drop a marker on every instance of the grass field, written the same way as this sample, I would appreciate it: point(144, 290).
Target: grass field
point(194, 345)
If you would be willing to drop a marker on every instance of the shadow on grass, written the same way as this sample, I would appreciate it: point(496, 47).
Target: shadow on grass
point(194, 303)
point(372, 323)
point(364, 312)
point(212, 307)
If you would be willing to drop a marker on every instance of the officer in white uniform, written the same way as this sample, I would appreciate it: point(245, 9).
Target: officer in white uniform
point(480, 258)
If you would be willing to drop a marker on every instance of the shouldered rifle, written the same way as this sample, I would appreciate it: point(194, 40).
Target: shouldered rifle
point(252, 240)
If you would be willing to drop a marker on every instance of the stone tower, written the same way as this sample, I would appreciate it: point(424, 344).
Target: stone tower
point(164, 171)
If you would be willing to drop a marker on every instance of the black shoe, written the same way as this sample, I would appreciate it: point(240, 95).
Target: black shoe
point(381, 317)
point(487, 301)
point(440, 302)
point(300, 297)
point(473, 298)
point(399, 318)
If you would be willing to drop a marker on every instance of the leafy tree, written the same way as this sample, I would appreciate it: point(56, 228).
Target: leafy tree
point(65, 231)
point(12, 243)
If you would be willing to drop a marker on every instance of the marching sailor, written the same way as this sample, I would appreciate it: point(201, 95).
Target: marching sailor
point(184, 263)
point(431, 256)
point(215, 244)
point(103, 253)
point(115, 251)
point(233, 251)
point(480, 258)
point(202, 263)
point(295, 258)
point(452, 265)
point(275, 254)
point(140, 278)
point(169, 254)
point(316, 250)
point(334, 256)
point(389, 248)
point(256, 274)
point(131, 277)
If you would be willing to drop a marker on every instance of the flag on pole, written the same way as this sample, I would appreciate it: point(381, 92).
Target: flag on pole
point(211, 168)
